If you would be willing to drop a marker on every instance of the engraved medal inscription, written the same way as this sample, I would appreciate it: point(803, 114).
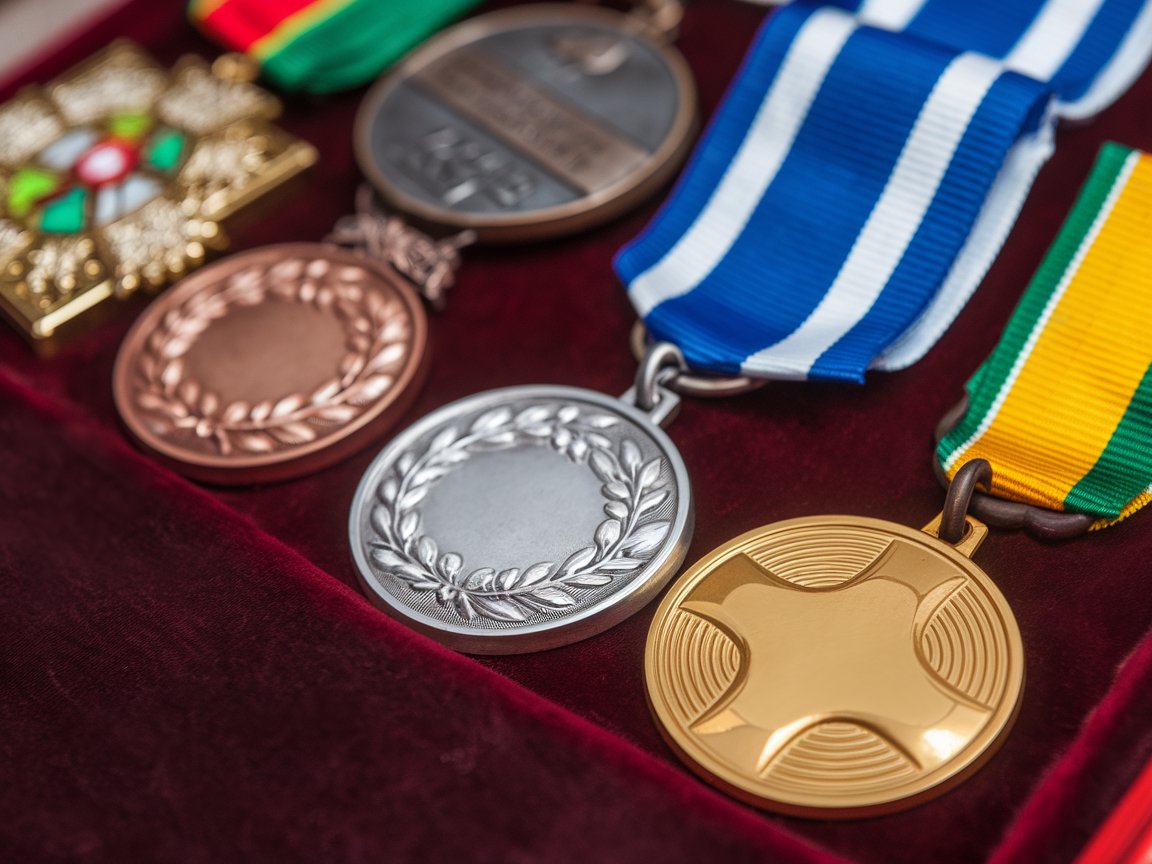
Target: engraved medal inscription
point(573, 146)
point(528, 122)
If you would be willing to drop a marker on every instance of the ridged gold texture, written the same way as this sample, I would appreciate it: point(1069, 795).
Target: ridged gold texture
point(834, 667)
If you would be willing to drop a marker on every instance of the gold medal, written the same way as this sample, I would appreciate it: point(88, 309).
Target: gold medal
point(115, 176)
point(835, 666)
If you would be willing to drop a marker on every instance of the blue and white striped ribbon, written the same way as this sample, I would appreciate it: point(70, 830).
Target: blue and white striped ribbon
point(862, 174)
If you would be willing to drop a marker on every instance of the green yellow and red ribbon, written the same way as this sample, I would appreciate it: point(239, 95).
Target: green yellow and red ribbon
point(1063, 407)
point(320, 46)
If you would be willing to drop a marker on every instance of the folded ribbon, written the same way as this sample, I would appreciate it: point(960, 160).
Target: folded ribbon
point(862, 174)
point(1063, 406)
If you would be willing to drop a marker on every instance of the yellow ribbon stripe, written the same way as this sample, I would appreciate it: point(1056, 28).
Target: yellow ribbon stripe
point(1059, 410)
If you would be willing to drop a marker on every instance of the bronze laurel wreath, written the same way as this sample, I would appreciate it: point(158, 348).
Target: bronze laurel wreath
point(376, 344)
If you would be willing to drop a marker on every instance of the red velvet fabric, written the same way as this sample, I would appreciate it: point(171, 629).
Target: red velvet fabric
point(185, 674)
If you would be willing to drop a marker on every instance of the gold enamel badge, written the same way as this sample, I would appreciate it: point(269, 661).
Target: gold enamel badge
point(115, 176)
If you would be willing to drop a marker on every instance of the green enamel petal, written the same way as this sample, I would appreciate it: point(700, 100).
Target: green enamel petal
point(130, 126)
point(65, 215)
point(165, 150)
point(28, 186)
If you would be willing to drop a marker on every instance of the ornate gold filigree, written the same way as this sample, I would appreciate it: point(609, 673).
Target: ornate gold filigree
point(60, 265)
point(192, 149)
point(202, 103)
point(120, 79)
point(157, 242)
point(228, 169)
point(27, 124)
point(10, 233)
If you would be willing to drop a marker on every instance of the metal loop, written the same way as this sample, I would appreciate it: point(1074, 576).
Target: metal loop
point(953, 520)
point(661, 18)
point(1041, 523)
point(689, 384)
point(661, 365)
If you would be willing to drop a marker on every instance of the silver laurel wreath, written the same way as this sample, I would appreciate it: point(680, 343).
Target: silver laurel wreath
point(622, 543)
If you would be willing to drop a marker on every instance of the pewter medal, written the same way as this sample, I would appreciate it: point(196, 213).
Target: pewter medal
point(530, 122)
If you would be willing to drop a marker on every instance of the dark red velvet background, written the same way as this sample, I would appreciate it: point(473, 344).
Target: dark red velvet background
point(185, 675)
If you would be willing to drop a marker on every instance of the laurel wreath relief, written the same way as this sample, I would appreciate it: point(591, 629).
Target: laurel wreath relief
point(376, 345)
point(622, 544)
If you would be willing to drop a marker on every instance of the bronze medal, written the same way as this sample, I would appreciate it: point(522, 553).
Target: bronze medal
point(528, 123)
point(835, 666)
point(271, 363)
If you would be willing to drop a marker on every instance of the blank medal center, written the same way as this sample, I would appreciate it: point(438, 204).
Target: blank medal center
point(268, 352)
point(514, 509)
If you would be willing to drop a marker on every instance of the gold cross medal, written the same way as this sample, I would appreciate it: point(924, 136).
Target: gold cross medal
point(836, 666)
point(115, 176)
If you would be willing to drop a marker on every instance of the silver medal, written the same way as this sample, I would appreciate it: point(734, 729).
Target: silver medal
point(522, 519)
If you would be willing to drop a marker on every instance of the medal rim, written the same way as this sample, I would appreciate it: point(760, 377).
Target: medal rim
point(932, 785)
point(556, 632)
point(573, 216)
point(298, 460)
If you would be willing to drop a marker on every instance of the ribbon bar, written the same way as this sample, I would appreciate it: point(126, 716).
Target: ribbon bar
point(320, 46)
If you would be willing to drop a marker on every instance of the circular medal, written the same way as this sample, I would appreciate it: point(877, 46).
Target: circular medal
point(271, 363)
point(521, 519)
point(834, 667)
point(528, 122)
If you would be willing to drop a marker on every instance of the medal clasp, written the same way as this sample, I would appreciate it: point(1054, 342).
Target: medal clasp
point(660, 18)
point(653, 391)
point(428, 263)
point(692, 384)
point(954, 526)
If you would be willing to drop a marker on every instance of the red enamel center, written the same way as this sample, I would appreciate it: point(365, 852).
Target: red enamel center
point(106, 162)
